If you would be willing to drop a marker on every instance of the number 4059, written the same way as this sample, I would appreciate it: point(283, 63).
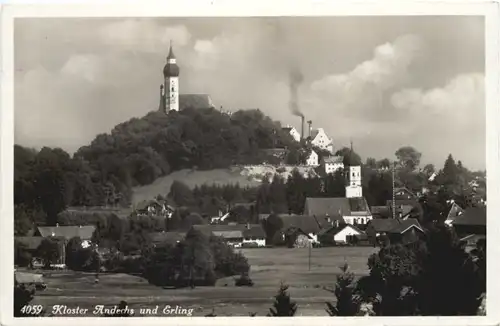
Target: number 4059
point(32, 310)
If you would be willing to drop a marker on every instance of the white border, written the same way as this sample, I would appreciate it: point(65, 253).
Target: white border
point(245, 8)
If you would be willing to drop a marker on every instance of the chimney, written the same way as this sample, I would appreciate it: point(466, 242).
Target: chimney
point(336, 223)
point(302, 128)
point(310, 128)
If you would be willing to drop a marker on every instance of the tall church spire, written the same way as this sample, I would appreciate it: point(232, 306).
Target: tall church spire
point(171, 83)
point(171, 52)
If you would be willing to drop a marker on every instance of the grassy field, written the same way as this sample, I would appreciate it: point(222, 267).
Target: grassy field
point(269, 268)
point(190, 178)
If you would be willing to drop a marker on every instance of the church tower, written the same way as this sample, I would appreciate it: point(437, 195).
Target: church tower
point(169, 91)
point(354, 188)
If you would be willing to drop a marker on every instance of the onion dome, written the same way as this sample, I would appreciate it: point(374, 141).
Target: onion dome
point(171, 69)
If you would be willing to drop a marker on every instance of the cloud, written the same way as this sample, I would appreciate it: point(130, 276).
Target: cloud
point(461, 100)
point(373, 79)
point(362, 89)
point(143, 35)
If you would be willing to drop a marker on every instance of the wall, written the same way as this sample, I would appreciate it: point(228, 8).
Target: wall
point(261, 242)
point(342, 235)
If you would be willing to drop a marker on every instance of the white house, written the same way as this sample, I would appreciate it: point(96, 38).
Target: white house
point(348, 230)
point(293, 132)
point(312, 159)
point(320, 139)
point(333, 163)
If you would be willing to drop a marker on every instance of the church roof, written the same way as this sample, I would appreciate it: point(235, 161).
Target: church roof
point(195, 101)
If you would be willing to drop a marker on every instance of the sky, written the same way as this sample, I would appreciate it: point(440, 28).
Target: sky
point(382, 82)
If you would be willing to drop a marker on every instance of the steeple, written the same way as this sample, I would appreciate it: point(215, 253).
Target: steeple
point(170, 90)
point(170, 52)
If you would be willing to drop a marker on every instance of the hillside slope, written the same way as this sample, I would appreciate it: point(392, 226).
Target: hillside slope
point(251, 175)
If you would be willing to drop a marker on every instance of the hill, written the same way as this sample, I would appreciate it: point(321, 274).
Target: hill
point(191, 178)
point(250, 175)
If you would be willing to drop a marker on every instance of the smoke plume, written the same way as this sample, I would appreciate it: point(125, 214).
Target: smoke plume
point(296, 79)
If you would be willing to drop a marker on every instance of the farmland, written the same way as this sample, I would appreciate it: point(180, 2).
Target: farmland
point(269, 268)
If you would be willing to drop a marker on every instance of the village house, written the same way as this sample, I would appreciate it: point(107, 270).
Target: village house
point(236, 235)
point(394, 230)
point(453, 213)
point(340, 234)
point(471, 222)
point(292, 132)
point(350, 210)
point(154, 208)
point(312, 158)
point(300, 238)
point(320, 139)
point(331, 164)
point(309, 225)
point(171, 238)
point(61, 233)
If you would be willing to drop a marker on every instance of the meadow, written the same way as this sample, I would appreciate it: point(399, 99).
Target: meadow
point(269, 268)
point(191, 178)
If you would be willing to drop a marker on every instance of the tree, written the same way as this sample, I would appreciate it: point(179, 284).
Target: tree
point(21, 255)
point(181, 194)
point(48, 251)
point(192, 219)
point(271, 226)
point(371, 163)
point(450, 285)
point(351, 158)
point(283, 306)
point(344, 292)
point(22, 222)
point(50, 184)
point(408, 157)
point(429, 169)
point(23, 295)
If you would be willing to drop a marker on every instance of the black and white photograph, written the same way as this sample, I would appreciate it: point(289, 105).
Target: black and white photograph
point(223, 166)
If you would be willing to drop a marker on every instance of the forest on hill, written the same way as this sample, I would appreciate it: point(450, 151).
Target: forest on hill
point(136, 153)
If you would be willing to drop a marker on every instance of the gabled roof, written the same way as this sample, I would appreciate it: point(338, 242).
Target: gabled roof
point(254, 231)
point(167, 237)
point(454, 212)
point(381, 210)
point(336, 206)
point(195, 101)
point(334, 230)
point(307, 223)
point(404, 193)
point(83, 232)
point(233, 230)
point(390, 225)
point(473, 216)
point(288, 128)
point(333, 159)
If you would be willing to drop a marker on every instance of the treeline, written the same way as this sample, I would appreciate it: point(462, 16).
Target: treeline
point(136, 153)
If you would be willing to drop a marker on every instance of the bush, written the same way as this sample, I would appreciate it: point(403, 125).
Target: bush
point(283, 306)
point(244, 280)
point(22, 256)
